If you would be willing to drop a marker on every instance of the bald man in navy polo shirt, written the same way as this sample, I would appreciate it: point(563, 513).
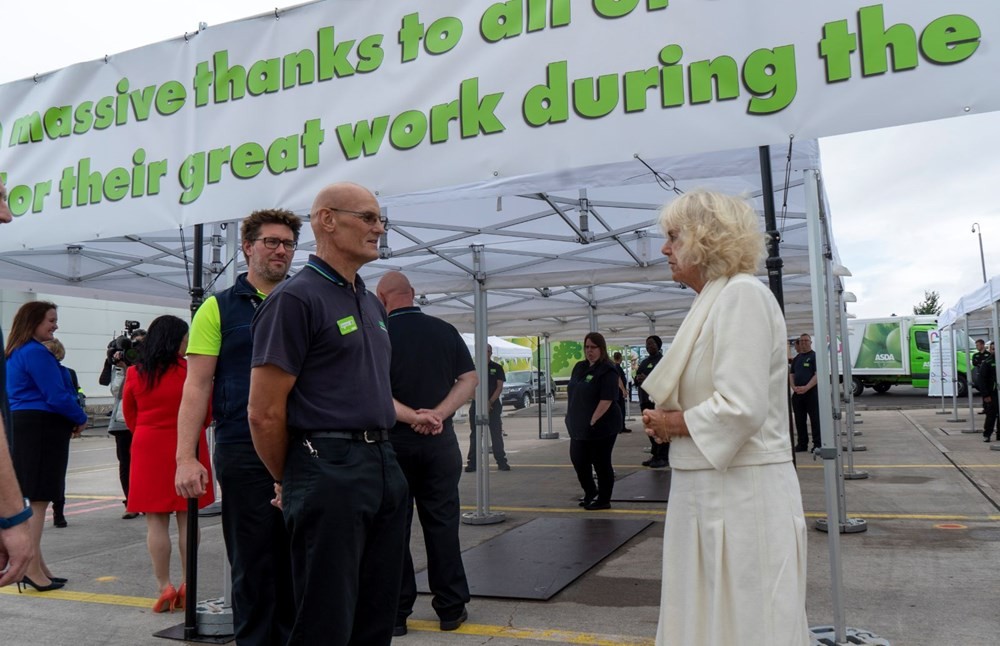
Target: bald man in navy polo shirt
point(320, 412)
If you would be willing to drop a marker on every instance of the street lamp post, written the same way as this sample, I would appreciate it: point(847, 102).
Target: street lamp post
point(982, 259)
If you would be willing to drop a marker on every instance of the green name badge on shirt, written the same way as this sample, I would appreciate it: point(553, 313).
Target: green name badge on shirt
point(588, 378)
point(347, 325)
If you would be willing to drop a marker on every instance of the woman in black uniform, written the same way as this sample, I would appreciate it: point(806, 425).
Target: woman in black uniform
point(594, 420)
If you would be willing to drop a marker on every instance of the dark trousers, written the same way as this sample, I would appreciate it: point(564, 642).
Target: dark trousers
point(496, 435)
point(803, 405)
point(257, 547)
point(590, 456)
point(123, 449)
point(345, 510)
point(991, 408)
point(433, 466)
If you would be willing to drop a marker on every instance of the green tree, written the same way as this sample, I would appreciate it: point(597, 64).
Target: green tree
point(930, 305)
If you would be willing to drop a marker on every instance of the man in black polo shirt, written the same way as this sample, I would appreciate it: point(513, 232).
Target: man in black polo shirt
point(494, 386)
point(659, 453)
point(432, 371)
point(320, 409)
point(805, 396)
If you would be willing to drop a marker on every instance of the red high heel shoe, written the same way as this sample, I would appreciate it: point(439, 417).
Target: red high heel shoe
point(166, 601)
point(179, 598)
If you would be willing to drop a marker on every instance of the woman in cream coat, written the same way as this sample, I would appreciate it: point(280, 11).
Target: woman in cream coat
point(734, 545)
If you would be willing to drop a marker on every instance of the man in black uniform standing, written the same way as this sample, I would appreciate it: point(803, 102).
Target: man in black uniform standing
point(988, 387)
point(805, 396)
point(432, 372)
point(494, 385)
point(320, 411)
point(659, 453)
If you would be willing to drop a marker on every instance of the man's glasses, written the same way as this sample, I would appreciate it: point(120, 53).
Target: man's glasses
point(368, 217)
point(272, 243)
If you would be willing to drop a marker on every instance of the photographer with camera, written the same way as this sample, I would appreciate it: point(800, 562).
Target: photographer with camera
point(123, 351)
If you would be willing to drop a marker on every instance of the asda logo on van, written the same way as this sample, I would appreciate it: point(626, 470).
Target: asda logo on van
point(885, 356)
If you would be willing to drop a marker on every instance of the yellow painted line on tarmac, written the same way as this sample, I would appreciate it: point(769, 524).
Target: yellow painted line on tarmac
point(660, 510)
point(938, 517)
point(83, 597)
point(534, 634)
point(909, 466)
point(483, 630)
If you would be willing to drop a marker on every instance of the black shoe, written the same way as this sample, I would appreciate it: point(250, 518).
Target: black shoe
point(399, 630)
point(657, 463)
point(648, 462)
point(129, 515)
point(39, 588)
point(58, 579)
point(586, 500)
point(598, 504)
point(625, 429)
point(453, 624)
point(59, 521)
point(471, 468)
point(503, 467)
point(801, 449)
point(987, 439)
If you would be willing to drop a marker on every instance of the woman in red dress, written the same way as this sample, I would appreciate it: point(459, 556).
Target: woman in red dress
point(150, 400)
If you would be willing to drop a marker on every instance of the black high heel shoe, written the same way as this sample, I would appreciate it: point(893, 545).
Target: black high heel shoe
point(54, 585)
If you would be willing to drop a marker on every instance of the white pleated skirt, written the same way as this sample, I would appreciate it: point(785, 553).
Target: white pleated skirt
point(734, 559)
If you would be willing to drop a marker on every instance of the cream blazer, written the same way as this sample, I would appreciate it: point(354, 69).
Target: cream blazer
point(734, 388)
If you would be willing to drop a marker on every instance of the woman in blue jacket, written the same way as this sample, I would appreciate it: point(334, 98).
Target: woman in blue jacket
point(44, 416)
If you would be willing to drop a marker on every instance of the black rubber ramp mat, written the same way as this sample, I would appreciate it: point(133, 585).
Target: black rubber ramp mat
point(541, 557)
point(648, 485)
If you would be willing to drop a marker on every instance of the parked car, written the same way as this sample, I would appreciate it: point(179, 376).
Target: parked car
point(523, 387)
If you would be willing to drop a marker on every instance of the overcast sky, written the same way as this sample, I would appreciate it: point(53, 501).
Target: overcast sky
point(903, 200)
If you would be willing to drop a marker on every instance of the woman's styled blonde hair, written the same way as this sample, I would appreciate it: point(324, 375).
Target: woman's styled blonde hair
point(57, 349)
point(719, 233)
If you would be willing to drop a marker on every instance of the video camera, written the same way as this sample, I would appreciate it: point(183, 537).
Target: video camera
point(125, 347)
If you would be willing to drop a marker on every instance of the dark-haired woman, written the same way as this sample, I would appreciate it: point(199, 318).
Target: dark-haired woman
point(594, 420)
point(151, 397)
point(44, 415)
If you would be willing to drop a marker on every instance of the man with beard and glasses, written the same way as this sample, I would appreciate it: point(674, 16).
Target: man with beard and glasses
point(219, 353)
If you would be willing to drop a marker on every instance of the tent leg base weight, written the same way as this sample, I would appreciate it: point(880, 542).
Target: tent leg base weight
point(487, 518)
point(856, 448)
point(852, 526)
point(827, 636)
point(855, 475)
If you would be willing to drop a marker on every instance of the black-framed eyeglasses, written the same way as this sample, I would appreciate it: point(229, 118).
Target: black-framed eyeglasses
point(272, 243)
point(368, 217)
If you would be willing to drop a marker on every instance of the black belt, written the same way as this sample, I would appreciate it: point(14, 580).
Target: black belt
point(370, 437)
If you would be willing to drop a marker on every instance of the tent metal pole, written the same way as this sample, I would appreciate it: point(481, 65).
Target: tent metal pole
point(848, 386)
point(828, 452)
point(953, 378)
point(550, 396)
point(592, 309)
point(968, 374)
point(235, 248)
point(774, 263)
point(941, 371)
point(482, 515)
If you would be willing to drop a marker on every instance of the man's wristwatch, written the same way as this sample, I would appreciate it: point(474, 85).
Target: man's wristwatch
point(18, 518)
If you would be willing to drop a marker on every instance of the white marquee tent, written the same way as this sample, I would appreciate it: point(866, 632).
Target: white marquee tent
point(519, 154)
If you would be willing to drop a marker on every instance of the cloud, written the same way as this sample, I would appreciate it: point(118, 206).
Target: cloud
point(903, 201)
